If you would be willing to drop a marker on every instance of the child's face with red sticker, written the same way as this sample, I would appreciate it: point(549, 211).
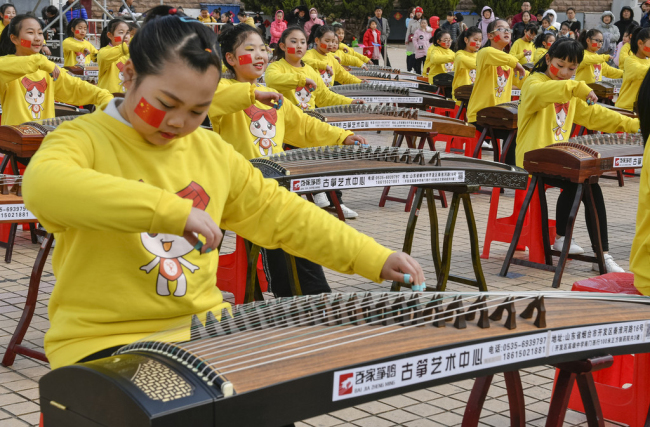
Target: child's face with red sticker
point(340, 34)
point(501, 35)
point(294, 46)
point(9, 14)
point(249, 59)
point(445, 41)
point(473, 43)
point(163, 107)
point(549, 42)
point(30, 38)
point(326, 43)
point(595, 43)
point(644, 49)
point(121, 34)
point(560, 69)
point(80, 31)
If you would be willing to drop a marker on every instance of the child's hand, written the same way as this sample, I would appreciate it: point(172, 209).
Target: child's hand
point(310, 85)
point(592, 98)
point(200, 222)
point(272, 99)
point(329, 70)
point(365, 67)
point(46, 50)
point(358, 101)
point(355, 140)
point(86, 52)
point(399, 265)
point(55, 73)
point(520, 70)
point(337, 58)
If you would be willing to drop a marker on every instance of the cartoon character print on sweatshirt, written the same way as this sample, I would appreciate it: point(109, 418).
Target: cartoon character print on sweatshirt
point(449, 67)
point(169, 250)
point(327, 78)
point(120, 75)
point(561, 111)
point(263, 128)
point(303, 96)
point(529, 55)
point(35, 96)
point(502, 80)
point(598, 69)
point(81, 58)
point(472, 75)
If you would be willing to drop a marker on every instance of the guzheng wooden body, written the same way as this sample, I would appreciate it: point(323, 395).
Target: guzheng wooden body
point(606, 88)
point(12, 206)
point(89, 70)
point(332, 168)
point(502, 116)
point(284, 360)
point(367, 118)
point(23, 140)
point(586, 156)
point(383, 69)
point(463, 93)
point(443, 79)
point(622, 111)
point(382, 93)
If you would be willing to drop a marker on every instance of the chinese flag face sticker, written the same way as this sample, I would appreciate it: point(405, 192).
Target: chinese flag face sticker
point(594, 45)
point(323, 45)
point(245, 59)
point(291, 50)
point(646, 49)
point(497, 38)
point(77, 31)
point(117, 39)
point(149, 114)
point(473, 44)
point(554, 70)
point(25, 43)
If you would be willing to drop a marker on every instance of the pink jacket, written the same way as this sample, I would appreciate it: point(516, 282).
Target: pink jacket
point(277, 27)
point(311, 23)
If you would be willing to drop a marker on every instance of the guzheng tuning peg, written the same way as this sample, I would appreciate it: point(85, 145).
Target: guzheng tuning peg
point(456, 309)
point(197, 330)
point(507, 305)
point(536, 304)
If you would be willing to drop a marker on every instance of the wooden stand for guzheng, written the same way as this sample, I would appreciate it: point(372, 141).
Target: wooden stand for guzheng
point(500, 117)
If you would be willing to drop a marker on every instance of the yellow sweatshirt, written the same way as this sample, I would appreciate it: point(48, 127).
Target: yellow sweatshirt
point(349, 57)
point(290, 82)
point(255, 129)
point(548, 109)
point(593, 67)
point(464, 69)
point(523, 51)
point(640, 254)
point(626, 52)
point(111, 60)
point(439, 60)
point(635, 71)
point(28, 92)
point(494, 77)
point(73, 52)
point(320, 62)
point(115, 203)
point(209, 19)
point(2, 27)
point(539, 53)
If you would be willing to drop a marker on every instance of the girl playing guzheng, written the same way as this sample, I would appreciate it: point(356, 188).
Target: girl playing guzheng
point(321, 60)
point(543, 43)
point(119, 187)
point(349, 57)
point(77, 51)
point(524, 47)
point(469, 42)
point(440, 57)
point(594, 66)
point(30, 83)
point(636, 68)
point(113, 55)
point(550, 104)
point(256, 122)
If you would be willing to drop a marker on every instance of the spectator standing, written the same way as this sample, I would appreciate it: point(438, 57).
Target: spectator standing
point(414, 25)
point(205, 17)
point(421, 45)
point(487, 16)
point(300, 16)
point(384, 29)
point(574, 24)
point(539, 15)
point(525, 7)
point(50, 15)
point(520, 27)
point(452, 26)
point(411, 15)
point(645, 18)
point(313, 20)
point(277, 27)
point(77, 11)
point(372, 42)
point(123, 10)
point(459, 20)
point(626, 19)
point(610, 33)
point(552, 17)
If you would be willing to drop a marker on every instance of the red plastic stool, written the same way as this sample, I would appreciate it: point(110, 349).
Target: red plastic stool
point(231, 274)
point(624, 405)
point(502, 229)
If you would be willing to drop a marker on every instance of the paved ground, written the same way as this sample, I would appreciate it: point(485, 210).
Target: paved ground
point(438, 406)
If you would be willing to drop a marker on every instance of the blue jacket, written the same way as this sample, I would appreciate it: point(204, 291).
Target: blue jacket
point(645, 22)
point(77, 11)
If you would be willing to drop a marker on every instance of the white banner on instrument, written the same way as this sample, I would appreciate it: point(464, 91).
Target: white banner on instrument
point(400, 84)
point(597, 336)
point(516, 92)
point(375, 180)
point(15, 211)
point(628, 162)
point(392, 99)
point(440, 364)
point(91, 73)
point(374, 124)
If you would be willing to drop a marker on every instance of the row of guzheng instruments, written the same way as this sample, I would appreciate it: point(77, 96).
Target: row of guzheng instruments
point(379, 92)
point(295, 358)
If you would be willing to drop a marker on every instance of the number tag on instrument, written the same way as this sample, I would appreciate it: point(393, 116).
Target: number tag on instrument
point(14, 211)
point(91, 73)
point(516, 92)
point(375, 180)
point(628, 162)
point(392, 99)
point(373, 124)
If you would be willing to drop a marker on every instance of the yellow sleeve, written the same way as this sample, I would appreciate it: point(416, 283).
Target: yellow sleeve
point(427, 62)
point(593, 60)
point(637, 70)
point(289, 224)
point(349, 60)
point(464, 62)
point(611, 72)
point(75, 91)
point(93, 51)
point(230, 98)
point(342, 76)
point(72, 44)
point(356, 54)
point(15, 67)
point(64, 192)
point(439, 59)
point(496, 57)
point(278, 78)
point(302, 130)
point(326, 97)
point(539, 95)
point(600, 118)
point(110, 54)
point(517, 51)
point(316, 64)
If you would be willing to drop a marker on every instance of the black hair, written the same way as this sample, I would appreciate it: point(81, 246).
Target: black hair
point(279, 53)
point(630, 28)
point(318, 31)
point(69, 32)
point(232, 38)
point(171, 38)
point(459, 17)
point(565, 23)
point(160, 11)
point(460, 41)
point(132, 25)
point(241, 12)
point(643, 107)
point(570, 8)
point(204, 8)
point(4, 7)
point(490, 28)
point(378, 7)
point(450, 13)
point(437, 35)
point(642, 34)
point(540, 11)
point(13, 29)
point(547, 19)
point(543, 38)
point(532, 27)
point(52, 10)
point(587, 35)
point(566, 49)
point(110, 28)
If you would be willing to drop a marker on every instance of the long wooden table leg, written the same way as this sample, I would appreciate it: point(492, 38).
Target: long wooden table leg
point(15, 346)
point(479, 143)
point(443, 275)
point(473, 241)
point(4, 163)
point(559, 269)
point(410, 228)
point(433, 226)
point(546, 240)
point(506, 145)
point(476, 401)
point(294, 280)
point(560, 399)
point(515, 399)
point(518, 227)
point(10, 242)
point(253, 289)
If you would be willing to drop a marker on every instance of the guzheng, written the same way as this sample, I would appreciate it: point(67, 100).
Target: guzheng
point(503, 116)
point(12, 206)
point(382, 93)
point(384, 69)
point(463, 93)
point(626, 113)
point(331, 168)
point(586, 156)
point(367, 118)
point(443, 79)
point(23, 140)
point(279, 361)
point(89, 70)
point(606, 88)
point(374, 75)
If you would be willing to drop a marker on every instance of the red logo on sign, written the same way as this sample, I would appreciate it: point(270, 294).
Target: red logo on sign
point(296, 186)
point(345, 384)
point(617, 162)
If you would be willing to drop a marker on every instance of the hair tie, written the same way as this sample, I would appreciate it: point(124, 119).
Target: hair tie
point(172, 11)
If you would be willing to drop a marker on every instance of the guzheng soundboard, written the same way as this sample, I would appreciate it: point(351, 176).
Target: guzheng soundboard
point(587, 156)
point(280, 361)
point(23, 140)
point(606, 88)
point(367, 118)
point(386, 94)
point(331, 168)
point(12, 206)
point(502, 116)
point(443, 79)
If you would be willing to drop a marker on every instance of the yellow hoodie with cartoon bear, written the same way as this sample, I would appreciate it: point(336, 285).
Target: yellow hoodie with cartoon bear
point(73, 51)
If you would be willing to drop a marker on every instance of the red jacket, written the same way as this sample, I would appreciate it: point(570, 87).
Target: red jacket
point(368, 40)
